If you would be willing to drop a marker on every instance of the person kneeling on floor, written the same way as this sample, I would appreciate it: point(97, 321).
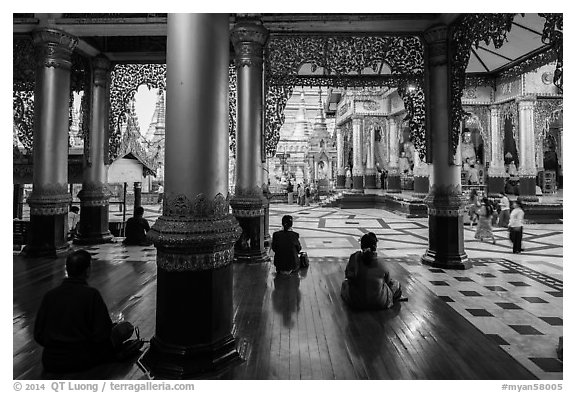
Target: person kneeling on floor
point(73, 324)
point(367, 284)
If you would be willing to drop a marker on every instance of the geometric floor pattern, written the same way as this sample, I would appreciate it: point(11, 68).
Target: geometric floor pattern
point(514, 299)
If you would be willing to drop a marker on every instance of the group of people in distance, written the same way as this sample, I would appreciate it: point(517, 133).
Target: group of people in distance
point(303, 194)
point(486, 214)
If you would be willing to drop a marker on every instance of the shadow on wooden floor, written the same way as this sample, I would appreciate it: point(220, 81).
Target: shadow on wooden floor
point(292, 327)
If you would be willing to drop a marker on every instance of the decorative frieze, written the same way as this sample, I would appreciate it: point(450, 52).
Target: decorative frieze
point(49, 200)
point(445, 201)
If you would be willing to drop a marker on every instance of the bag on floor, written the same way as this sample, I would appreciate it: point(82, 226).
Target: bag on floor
point(131, 347)
point(304, 262)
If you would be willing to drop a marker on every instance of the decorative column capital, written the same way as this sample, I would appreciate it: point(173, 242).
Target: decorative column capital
point(101, 67)
point(526, 102)
point(248, 39)
point(54, 48)
point(437, 39)
point(494, 110)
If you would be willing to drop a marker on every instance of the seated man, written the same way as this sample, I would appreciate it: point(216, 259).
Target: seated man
point(368, 284)
point(73, 324)
point(286, 246)
point(136, 228)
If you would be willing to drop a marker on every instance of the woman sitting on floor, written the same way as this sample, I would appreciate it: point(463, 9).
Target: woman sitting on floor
point(368, 284)
point(286, 246)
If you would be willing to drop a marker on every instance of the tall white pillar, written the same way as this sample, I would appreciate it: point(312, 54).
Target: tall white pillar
point(357, 146)
point(394, 184)
point(527, 155)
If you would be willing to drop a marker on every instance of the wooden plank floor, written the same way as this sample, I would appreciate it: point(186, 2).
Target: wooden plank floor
point(292, 327)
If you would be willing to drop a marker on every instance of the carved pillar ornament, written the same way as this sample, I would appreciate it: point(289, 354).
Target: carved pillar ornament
point(394, 181)
point(445, 202)
point(50, 197)
point(248, 204)
point(196, 233)
point(340, 161)
point(527, 153)
point(497, 170)
point(370, 173)
point(94, 196)
point(357, 146)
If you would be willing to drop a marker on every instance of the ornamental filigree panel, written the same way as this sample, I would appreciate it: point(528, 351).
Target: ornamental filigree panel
point(125, 80)
point(276, 99)
point(471, 30)
point(415, 106)
point(545, 112)
point(552, 35)
point(343, 55)
point(232, 104)
point(23, 107)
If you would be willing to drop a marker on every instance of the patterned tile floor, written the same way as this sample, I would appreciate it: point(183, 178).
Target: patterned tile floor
point(515, 299)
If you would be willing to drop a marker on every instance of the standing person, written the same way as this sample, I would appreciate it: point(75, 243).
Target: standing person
point(73, 220)
point(301, 195)
point(473, 175)
point(286, 246)
point(136, 229)
point(504, 216)
point(515, 226)
point(290, 191)
point(73, 324)
point(348, 178)
point(484, 229)
point(307, 194)
point(473, 205)
point(367, 283)
point(383, 177)
point(160, 196)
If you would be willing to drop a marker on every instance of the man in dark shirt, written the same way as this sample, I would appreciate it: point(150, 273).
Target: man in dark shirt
point(73, 324)
point(136, 228)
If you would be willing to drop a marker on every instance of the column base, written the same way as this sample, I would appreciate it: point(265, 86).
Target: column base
point(394, 184)
point(421, 185)
point(93, 225)
point(358, 182)
point(527, 187)
point(47, 237)
point(496, 186)
point(251, 247)
point(446, 243)
point(340, 181)
point(164, 361)
point(370, 181)
point(194, 319)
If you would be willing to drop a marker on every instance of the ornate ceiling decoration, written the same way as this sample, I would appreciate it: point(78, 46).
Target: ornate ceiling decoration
point(553, 35)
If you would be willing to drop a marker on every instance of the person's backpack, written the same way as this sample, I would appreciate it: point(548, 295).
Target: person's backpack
point(304, 261)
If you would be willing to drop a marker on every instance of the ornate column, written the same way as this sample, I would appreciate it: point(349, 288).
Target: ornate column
point(445, 205)
point(195, 236)
point(248, 203)
point(421, 177)
point(341, 174)
point(358, 169)
point(94, 196)
point(527, 155)
point(394, 183)
point(370, 173)
point(497, 170)
point(50, 197)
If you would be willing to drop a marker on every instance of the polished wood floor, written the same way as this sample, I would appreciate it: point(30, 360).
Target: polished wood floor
point(289, 327)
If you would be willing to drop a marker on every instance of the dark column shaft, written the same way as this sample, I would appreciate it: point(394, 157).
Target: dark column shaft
point(195, 235)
